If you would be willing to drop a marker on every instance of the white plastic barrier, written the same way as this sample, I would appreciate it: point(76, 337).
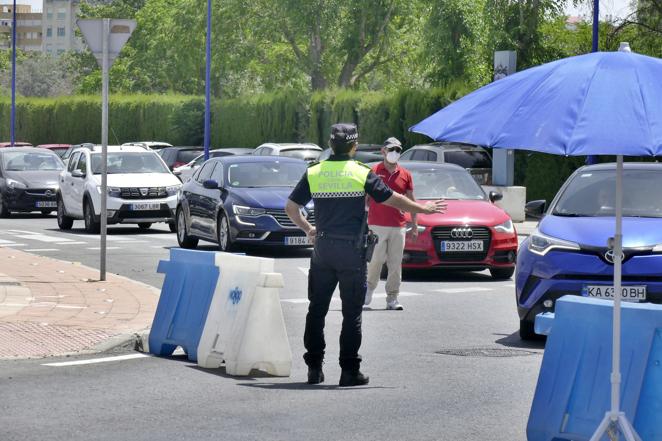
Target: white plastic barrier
point(245, 325)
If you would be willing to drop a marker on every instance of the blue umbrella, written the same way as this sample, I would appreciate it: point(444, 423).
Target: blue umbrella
point(603, 103)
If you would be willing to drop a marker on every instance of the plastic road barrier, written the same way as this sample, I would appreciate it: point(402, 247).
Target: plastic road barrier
point(573, 391)
point(222, 307)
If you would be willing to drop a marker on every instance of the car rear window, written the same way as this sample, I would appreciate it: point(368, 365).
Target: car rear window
point(187, 156)
point(469, 159)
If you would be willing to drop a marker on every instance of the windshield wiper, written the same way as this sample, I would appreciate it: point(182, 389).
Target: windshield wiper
point(557, 213)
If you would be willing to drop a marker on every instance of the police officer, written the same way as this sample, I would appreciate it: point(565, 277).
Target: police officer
point(338, 187)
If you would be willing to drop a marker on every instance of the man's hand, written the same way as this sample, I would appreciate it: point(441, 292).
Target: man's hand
point(435, 207)
point(311, 235)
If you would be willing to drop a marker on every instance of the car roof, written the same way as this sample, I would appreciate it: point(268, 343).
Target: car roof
point(184, 147)
point(292, 146)
point(16, 144)
point(115, 148)
point(25, 150)
point(236, 159)
point(448, 146)
point(656, 166)
point(148, 143)
point(54, 146)
point(427, 165)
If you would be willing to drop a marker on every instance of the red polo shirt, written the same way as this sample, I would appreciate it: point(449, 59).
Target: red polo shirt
point(399, 181)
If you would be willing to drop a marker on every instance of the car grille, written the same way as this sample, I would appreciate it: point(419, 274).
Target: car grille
point(478, 233)
point(283, 219)
point(143, 192)
point(41, 192)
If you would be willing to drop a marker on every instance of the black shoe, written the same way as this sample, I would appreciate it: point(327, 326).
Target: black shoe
point(315, 375)
point(353, 378)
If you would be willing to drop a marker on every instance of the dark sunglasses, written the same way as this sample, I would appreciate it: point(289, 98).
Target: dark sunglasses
point(394, 149)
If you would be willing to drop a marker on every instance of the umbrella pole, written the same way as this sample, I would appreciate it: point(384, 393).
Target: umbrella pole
point(616, 420)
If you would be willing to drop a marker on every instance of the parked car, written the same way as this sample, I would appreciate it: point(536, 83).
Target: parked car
point(154, 145)
point(28, 180)
point(569, 253)
point(473, 234)
point(16, 144)
point(184, 172)
point(474, 158)
point(307, 152)
point(58, 149)
point(141, 189)
point(364, 153)
point(67, 153)
point(240, 200)
point(177, 156)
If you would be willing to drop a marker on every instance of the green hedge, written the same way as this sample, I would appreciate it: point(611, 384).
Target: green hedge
point(249, 121)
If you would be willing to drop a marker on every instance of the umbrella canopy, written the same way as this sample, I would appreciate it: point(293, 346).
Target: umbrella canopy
point(603, 103)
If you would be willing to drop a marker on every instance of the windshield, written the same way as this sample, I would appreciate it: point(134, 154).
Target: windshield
point(129, 162)
point(593, 194)
point(436, 183)
point(265, 174)
point(32, 161)
point(469, 159)
point(305, 154)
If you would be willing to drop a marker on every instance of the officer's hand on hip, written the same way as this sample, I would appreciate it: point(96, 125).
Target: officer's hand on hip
point(311, 235)
point(435, 207)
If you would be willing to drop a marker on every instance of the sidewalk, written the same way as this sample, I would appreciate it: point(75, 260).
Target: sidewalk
point(50, 307)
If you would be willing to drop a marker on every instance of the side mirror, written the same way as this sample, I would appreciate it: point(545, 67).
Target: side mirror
point(495, 196)
point(77, 174)
point(535, 209)
point(210, 184)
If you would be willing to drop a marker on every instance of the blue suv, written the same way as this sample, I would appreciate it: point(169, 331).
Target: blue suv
point(240, 200)
point(569, 253)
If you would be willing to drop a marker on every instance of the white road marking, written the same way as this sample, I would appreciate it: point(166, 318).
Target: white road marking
point(2, 241)
point(159, 236)
point(304, 270)
point(9, 245)
point(97, 360)
point(42, 305)
point(108, 248)
point(41, 249)
point(22, 232)
point(43, 238)
point(71, 243)
point(510, 285)
point(129, 241)
point(461, 290)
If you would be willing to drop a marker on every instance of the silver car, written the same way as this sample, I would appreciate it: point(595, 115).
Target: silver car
point(475, 159)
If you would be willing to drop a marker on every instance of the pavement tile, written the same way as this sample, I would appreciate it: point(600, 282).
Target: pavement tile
point(50, 307)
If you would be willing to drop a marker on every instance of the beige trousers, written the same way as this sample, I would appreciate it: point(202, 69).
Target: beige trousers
point(388, 250)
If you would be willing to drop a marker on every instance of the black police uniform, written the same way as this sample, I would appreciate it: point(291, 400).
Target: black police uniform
point(337, 260)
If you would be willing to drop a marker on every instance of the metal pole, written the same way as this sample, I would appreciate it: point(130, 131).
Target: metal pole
point(596, 24)
point(104, 146)
point(12, 124)
point(618, 255)
point(208, 83)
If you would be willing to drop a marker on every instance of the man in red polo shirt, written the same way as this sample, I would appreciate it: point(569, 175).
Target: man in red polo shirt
point(389, 224)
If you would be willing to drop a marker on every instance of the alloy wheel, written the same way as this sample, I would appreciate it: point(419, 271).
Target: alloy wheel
point(181, 226)
point(224, 233)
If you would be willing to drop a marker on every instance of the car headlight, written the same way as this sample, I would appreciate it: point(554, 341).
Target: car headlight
point(506, 227)
point(419, 228)
point(114, 192)
point(13, 184)
point(173, 189)
point(541, 244)
point(247, 211)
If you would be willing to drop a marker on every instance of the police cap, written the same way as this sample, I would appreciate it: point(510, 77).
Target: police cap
point(343, 136)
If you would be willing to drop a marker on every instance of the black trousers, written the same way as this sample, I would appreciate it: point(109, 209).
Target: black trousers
point(335, 262)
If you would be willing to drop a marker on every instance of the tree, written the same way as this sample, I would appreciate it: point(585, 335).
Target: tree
point(40, 75)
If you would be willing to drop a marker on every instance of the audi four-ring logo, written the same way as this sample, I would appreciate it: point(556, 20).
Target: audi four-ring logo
point(462, 233)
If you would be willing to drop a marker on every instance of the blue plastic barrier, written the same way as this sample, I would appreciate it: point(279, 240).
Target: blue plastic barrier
point(573, 392)
point(188, 288)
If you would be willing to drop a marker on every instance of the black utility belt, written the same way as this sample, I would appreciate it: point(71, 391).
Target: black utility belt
point(324, 235)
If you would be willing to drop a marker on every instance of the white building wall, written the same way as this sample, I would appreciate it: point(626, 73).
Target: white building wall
point(59, 27)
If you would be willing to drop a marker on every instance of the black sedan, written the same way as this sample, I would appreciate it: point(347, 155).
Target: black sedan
point(28, 180)
point(240, 200)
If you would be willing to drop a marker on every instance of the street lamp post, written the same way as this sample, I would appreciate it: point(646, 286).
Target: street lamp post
point(207, 82)
point(596, 35)
point(12, 124)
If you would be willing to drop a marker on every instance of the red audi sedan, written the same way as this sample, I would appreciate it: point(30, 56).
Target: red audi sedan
point(473, 234)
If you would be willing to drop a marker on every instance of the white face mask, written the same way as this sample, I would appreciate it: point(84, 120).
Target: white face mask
point(392, 157)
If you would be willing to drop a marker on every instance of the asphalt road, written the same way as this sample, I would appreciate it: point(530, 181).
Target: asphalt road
point(449, 367)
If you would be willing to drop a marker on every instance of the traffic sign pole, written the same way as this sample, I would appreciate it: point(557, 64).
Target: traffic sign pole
point(104, 147)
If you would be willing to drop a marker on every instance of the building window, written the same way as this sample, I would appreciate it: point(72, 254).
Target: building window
point(60, 51)
point(49, 32)
point(61, 13)
point(60, 32)
point(49, 13)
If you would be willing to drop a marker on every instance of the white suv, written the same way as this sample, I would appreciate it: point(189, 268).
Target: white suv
point(141, 189)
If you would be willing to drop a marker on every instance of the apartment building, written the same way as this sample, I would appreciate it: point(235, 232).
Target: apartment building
point(28, 28)
point(58, 27)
